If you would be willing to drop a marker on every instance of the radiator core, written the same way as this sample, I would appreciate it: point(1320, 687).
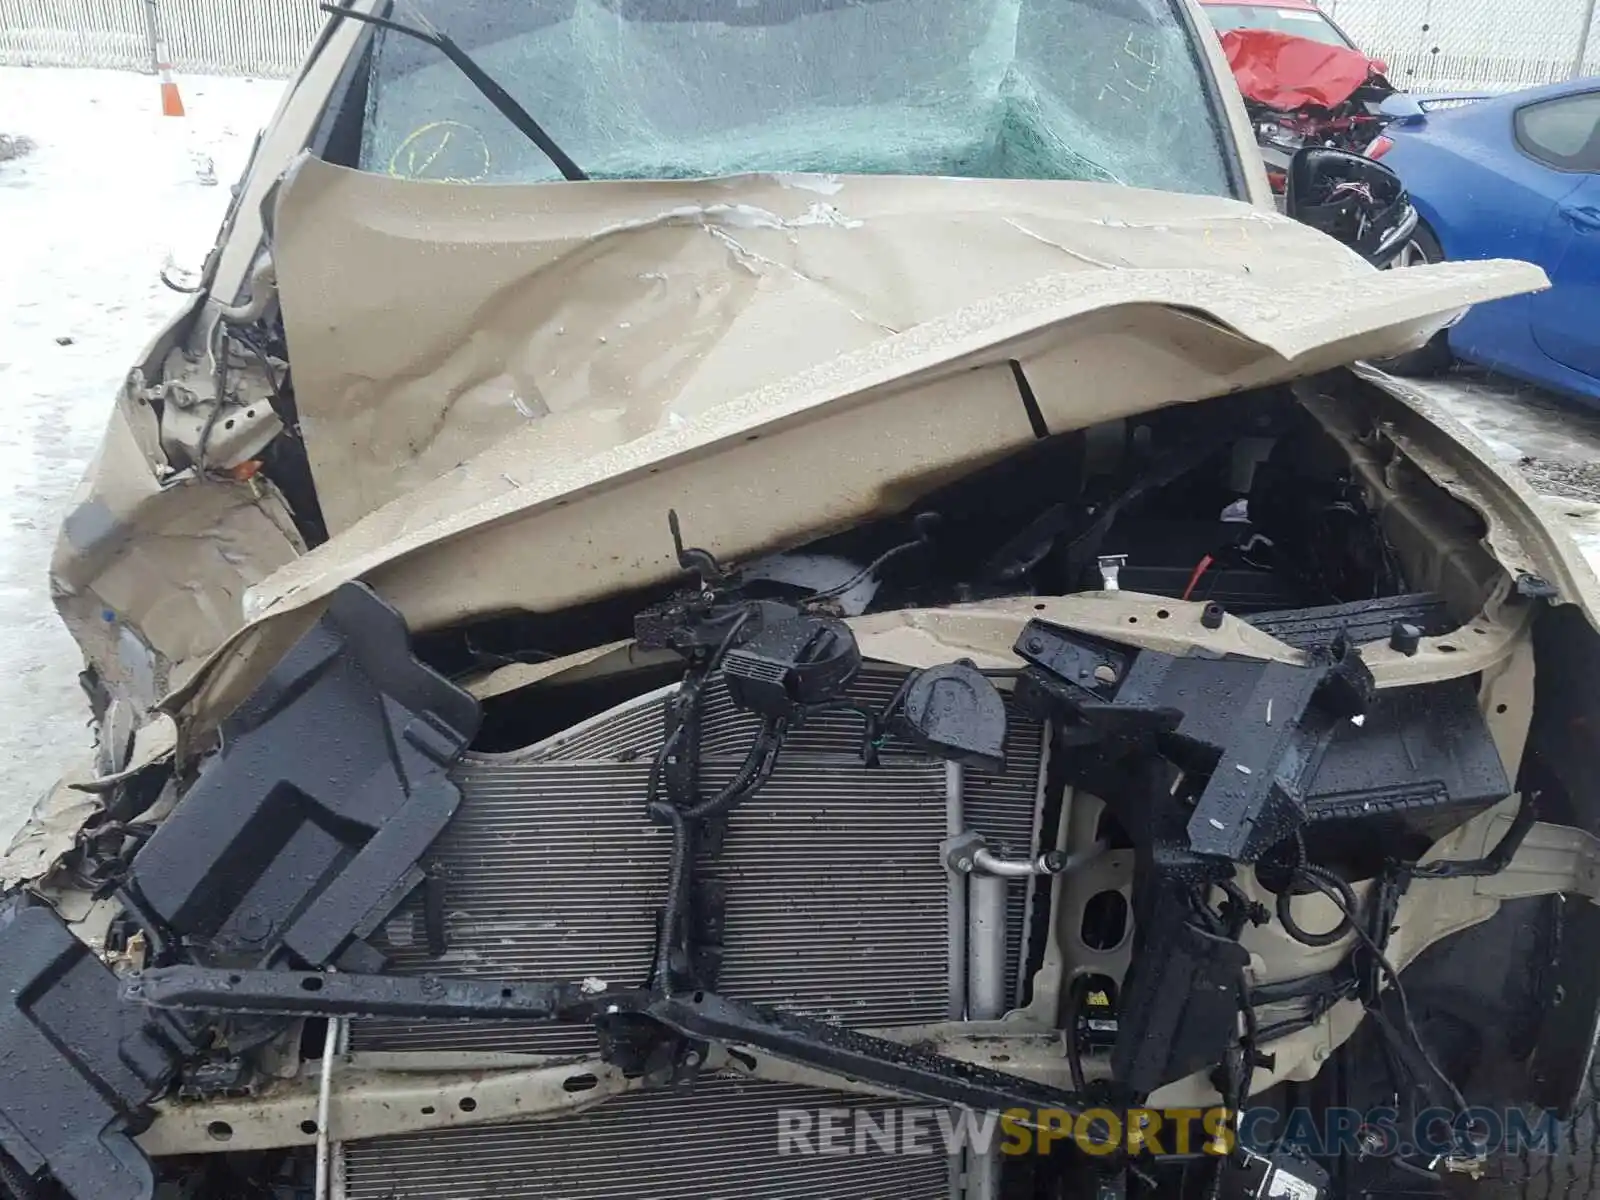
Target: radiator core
point(835, 907)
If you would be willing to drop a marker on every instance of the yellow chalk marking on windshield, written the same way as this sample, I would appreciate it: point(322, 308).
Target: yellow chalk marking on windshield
point(416, 165)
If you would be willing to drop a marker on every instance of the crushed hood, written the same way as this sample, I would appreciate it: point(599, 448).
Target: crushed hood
point(504, 388)
point(428, 321)
point(1286, 72)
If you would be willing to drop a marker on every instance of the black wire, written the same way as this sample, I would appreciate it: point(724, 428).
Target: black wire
point(866, 572)
point(1322, 880)
point(1400, 990)
point(1496, 860)
point(751, 776)
point(1074, 1055)
point(677, 875)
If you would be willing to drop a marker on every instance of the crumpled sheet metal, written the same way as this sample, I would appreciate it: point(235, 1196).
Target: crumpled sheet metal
point(148, 572)
point(50, 831)
point(52, 827)
point(1286, 72)
point(569, 507)
point(429, 321)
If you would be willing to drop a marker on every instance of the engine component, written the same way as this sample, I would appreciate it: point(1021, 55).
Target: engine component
point(954, 712)
point(1420, 749)
point(1276, 1175)
point(1256, 731)
point(1361, 622)
point(80, 1064)
point(792, 666)
point(304, 831)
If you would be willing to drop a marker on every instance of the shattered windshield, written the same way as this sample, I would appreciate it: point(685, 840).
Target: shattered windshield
point(1107, 90)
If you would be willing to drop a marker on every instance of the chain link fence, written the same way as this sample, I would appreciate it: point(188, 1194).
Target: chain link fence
point(1474, 45)
point(210, 37)
point(1433, 45)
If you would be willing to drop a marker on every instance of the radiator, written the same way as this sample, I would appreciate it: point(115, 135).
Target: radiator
point(835, 907)
point(720, 1144)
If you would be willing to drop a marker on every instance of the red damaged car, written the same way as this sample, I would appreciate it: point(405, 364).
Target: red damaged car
point(1304, 81)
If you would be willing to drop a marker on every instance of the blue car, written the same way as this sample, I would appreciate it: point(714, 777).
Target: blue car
point(1514, 176)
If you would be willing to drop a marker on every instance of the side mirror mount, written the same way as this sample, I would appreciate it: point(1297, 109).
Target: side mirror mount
point(1353, 199)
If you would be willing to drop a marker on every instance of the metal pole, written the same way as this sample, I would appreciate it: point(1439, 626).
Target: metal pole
point(152, 33)
point(1583, 39)
point(986, 997)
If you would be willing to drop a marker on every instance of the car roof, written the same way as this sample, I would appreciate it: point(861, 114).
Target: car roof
point(1303, 5)
point(1499, 102)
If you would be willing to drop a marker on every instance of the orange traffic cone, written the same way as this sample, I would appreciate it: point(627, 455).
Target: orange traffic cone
point(171, 101)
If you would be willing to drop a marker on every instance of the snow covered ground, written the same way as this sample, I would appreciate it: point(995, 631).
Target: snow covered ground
point(87, 219)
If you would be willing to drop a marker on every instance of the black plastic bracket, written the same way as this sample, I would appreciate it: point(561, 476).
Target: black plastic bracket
point(305, 829)
point(79, 1065)
point(1256, 731)
point(893, 1066)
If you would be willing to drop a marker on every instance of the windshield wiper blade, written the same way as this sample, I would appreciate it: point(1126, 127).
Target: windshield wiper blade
point(483, 81)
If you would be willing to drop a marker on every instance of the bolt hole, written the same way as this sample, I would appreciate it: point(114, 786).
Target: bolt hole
point(428, 1110)
point(250, 412)
point(1500, 708)
point(1133, 620)
point(1446, 648)
point(1162, 614)
point(219, 1131)
point(309, 1128)
point(467, 1104)
point(1480, 632)
point(505, 993)
point(579, 1083)
point(311, 983)
point(228, 424)
point(1038, 608)
point(235, 978)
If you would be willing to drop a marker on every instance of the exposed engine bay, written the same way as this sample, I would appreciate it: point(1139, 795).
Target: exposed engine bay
point(1127, 773)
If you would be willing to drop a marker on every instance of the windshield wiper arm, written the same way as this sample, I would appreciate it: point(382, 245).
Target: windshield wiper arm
point(483, 81)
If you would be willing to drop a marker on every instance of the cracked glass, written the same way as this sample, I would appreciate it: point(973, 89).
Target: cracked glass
point(1100, 90)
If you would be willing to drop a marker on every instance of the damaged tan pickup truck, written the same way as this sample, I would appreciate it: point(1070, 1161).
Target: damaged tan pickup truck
point(802, 598)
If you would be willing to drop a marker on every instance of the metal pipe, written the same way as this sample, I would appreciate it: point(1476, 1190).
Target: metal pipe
point(1583, 39)
point(330, 1051)
point(986, 996)
point(986, 947)
point(986, 862)
point(955, 824)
